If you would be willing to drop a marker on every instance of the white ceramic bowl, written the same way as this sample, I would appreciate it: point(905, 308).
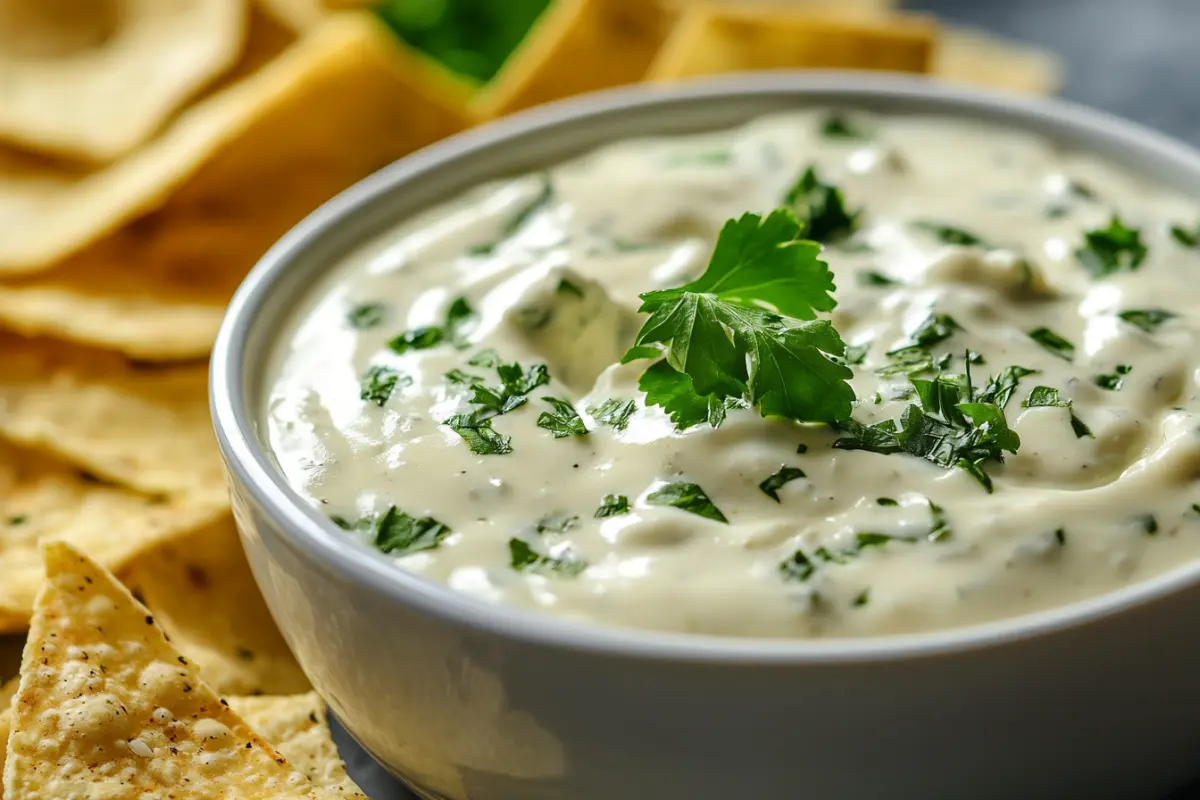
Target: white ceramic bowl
point(1100, 699)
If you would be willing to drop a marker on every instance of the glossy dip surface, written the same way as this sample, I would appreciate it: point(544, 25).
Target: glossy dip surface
point(970, 238)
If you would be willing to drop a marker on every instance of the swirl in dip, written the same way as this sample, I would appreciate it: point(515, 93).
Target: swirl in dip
point(1066, 286)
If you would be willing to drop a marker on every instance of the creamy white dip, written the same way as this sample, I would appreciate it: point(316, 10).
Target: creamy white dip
point(553, 263)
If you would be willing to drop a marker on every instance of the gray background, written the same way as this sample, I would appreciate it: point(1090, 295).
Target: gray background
point(1134, 58)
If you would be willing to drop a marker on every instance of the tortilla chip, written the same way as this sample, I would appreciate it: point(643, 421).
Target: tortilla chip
point(146, 428)
point(41, 498)
point(303, 15)
point(715, 39)
point(202, 592)
point(108, 708)
point(297, 727)
point(7, 692)
point(67, 69)
point(577, 46)
point(250, 160)
point(980, 59)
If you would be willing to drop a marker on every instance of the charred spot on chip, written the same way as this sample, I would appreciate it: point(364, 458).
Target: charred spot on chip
point(245, 654)
point(197, 577)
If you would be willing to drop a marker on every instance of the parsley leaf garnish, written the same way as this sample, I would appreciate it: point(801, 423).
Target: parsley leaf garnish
point(479, 435)
point(745, 330)
point(612, 505)
point(1046, 396)
point(999, 389)
point(564, 421)
point(484, 358)
point(1053, 343)
point(556, 522)
point(908, 360)
point(400, 532)
point(935, 328)
point(1146, 319)
point(688, 497)
point(775, 482)
point(1110, 250)
point(821, 207)
point(542, 200)
point(524, 558)
point(949, 234)
point(797, 567)
point(674, 393)
point(614, 412)
point(1113, 381)
point(460, 318)
point(379, 382)
point(421, 338)
point(458, 376)
point(1149, 524)
point(515, 384)
point(857, 353)
point(366, 315)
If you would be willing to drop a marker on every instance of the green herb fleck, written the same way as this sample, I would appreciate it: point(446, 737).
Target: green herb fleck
point(458, 376)
point(1000, 388)
point(1046, 396)
point(17, 519)
point(1146, 319)
point(1053, 343)
point(557, 522)
point(862, 598)
point(612, 505)
point(801, 448)
point(1149, 524)
point(366, 315)
point(949, 234)
point(484, 358)
point(1107, 251)
point(421, 338)
point(857, 353)
point(870, 277)
point(775, 482)
point(524, 558)
point(479, 435)
point(796, 567)
point(400, 532)
point(1113, 381)
point(568, 287)
point(460, 318)
point(1184, 236)
point(563, 421)
point(614, 412)
point(934, 329)
point(822, 209)
point(379, 382)
point(686, 497)
point(839, 126)
point(886, 501)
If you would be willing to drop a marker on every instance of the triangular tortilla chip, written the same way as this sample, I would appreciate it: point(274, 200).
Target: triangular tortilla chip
point(42, 498)
point(980, 59)
point(50, 209)
point(108, 708)
point(711, 40)
point(66, 69)
point(157, 290)
point(144, 427)
point(577, 46)
point(297, 727)
point(7, 692)
point(202, 592)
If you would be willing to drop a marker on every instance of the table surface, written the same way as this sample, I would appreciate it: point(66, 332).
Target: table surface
point(1134, 58)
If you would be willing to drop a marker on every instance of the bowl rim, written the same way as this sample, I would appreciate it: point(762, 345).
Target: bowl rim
point(304, 530)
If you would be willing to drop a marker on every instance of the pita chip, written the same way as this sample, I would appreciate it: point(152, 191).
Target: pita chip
point(66, 68)
point(106, 707)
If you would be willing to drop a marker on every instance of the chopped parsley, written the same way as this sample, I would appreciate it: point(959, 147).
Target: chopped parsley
point(949, 234)
point(1000, 388)
point(399, 532)
point(563, 421)
point(908, 360)
point(515, 384)
point(460, 318)
point(801, 448)
point(796, 567)
point(557, 522)
point(935, 328)
point(952, 427)
point(479, 435)
point(1146, 319)
point(1053, 343)
point(862, 598)
point(1186, 237)
point(17, 519)
point(886, 501)
point(1107, 251)
point(838, 126)
point(1113, 381)
point(745, 331)
point(484, 358)
point(612, 505)
point(614, 412)
point(688, 497)
point(524, 558)
point(1046, 396)
point(1149, 524)
point(775, 482)
point(822, 209)
point(459, 377)
point(541, 201)
point(568, 287)
point(379, 382)
point(857, 353)
point(366, 315)
point(870, 277)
